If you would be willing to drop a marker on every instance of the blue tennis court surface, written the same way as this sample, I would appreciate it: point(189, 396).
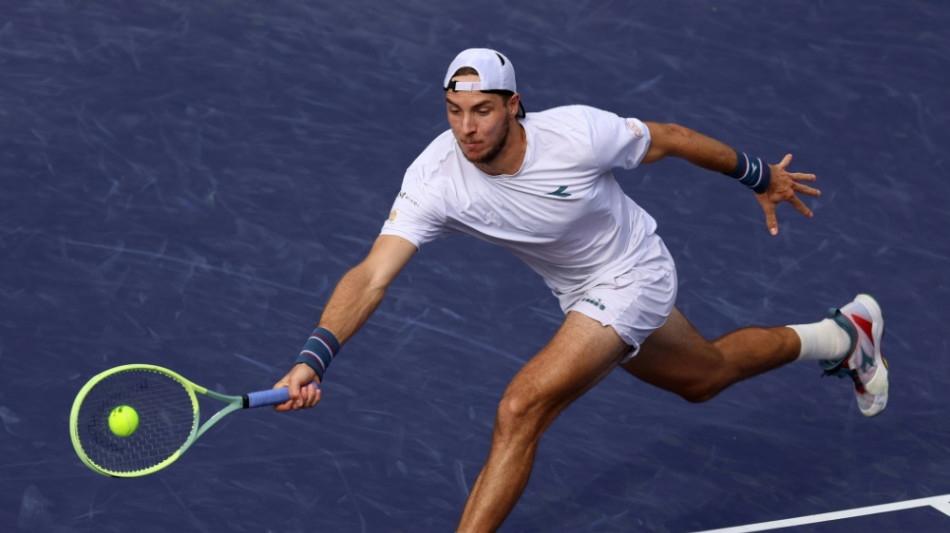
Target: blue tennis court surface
point(184, 182)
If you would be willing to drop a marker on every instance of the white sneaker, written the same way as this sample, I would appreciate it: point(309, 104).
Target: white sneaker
point(864, 364)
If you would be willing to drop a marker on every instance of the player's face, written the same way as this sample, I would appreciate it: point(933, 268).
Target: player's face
point(480, 122)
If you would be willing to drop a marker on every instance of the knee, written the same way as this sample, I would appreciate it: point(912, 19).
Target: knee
point(700, 387)
point(699, 394)
point(701, 391)
point(519, 416)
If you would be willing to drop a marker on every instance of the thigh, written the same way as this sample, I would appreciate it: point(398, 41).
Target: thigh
point(580, 354)
point(676, 357)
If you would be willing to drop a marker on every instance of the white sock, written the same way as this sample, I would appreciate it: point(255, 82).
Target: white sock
point(823, 340)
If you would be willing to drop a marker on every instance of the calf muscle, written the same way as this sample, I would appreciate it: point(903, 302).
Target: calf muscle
point(678, 359)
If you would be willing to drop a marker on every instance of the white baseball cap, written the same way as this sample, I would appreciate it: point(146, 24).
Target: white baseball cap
point(495, 72)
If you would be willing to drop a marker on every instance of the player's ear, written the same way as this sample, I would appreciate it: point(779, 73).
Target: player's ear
point(513, 104)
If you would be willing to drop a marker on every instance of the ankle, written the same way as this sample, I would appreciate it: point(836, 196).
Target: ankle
point(825, 340)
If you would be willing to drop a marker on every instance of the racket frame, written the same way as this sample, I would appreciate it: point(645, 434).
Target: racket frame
point(233, 403)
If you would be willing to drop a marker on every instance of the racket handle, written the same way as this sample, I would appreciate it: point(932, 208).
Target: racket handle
point(267, 397)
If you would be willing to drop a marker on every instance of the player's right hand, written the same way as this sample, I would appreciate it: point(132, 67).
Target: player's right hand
point(304, 388)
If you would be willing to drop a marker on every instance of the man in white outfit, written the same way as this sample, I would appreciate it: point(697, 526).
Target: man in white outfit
point(541, 186)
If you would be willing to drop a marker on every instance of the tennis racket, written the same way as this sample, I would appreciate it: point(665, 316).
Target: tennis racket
point(168, 418)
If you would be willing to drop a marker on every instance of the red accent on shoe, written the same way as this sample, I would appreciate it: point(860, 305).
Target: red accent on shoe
point(864, 324)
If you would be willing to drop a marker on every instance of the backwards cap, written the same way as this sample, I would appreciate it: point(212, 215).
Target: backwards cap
point(495, 72)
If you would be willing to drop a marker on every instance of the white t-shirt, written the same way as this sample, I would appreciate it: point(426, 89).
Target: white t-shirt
point(562, 213)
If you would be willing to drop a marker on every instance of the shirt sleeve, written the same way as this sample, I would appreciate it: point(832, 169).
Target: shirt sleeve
point(617, 142)
point(416, 214)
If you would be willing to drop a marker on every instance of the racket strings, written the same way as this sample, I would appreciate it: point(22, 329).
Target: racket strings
point(167, 416)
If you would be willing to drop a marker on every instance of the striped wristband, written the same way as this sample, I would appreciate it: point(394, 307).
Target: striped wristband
point(751, 172)
point(319, 351)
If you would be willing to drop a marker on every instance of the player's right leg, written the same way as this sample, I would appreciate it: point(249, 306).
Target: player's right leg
point(580, 355)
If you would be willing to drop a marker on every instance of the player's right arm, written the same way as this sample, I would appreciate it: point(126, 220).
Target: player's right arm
point(361, 290)
point(353, 301)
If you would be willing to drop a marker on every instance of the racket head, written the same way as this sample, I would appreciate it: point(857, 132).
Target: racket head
point(168, 420)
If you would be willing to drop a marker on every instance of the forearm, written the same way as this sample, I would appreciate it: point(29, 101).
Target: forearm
point(353, 301)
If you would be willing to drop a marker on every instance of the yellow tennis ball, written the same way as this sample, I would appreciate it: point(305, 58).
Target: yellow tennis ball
point(123, 421)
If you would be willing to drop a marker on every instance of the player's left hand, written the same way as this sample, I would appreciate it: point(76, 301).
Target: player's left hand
point(785, 187)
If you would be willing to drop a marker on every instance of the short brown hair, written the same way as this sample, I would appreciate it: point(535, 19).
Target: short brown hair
point(466, 71)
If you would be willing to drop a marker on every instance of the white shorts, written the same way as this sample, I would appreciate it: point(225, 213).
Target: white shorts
point(635, 303)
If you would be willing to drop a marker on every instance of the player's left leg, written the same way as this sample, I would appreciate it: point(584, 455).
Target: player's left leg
point(579, 355)
point(677, 358)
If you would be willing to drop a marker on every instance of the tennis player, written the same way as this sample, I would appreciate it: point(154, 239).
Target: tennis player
point(541, 185)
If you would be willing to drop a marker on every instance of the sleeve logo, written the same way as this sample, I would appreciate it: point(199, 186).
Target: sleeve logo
point(405, 196)
point(632, 124)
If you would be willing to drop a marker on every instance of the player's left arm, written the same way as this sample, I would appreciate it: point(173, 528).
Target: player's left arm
point(706, 152)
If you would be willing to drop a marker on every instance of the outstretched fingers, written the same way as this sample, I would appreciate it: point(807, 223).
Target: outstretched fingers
point(801, 188)
point(798, 204)
point(771, 221)
point(785, 187)
point(787, 160)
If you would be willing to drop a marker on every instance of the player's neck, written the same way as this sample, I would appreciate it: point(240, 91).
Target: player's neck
point(511, 157)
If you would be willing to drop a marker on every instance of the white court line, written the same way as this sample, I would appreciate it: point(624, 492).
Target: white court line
point(940, 503)
point(943, 507)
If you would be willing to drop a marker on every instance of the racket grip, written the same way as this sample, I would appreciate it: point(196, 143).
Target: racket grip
point(267, 397)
